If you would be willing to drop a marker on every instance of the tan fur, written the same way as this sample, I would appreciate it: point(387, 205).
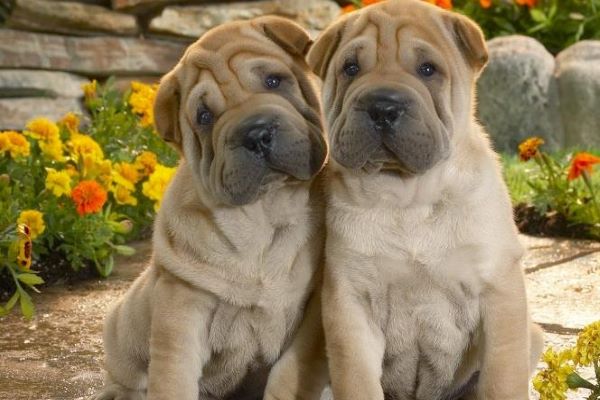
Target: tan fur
point(224, 296)
point(422, 285)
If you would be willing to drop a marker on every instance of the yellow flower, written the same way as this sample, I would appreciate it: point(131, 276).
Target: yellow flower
point(58, 182)
point(42, 129)
point(124, 196)
point(154, 188)
point(128, 171)
point(98, 168)
point(82, 145)
point(34, 220)
point(70, 121)
point(52, 149)
point(15, 143)
point(141, 101)
point(588, 345)
point(89, 89)
point(529, 148)
point(146, 162)
point(551, 382)
point(71, 170)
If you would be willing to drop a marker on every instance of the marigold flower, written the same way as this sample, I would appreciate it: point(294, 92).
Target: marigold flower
point(146, 162)
point(42, 129)
point(141, 101)
point(128, 171)
point(83, 145)
point(52, 149)
point(528, 3)
point(58, 182)
point(588, 345)
point(446, 4)
point(34, 221)
point(349, 8)
point(14, 143)
point(24, 246)
point(580, 163)
point(551, 382)
point(124, 196)
point(529, 148)
point(89, 89)
point(485, 3)
point(89, 197)
point(70, 121)
point(156, 184)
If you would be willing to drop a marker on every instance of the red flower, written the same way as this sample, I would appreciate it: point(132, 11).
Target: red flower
point(528, 3)
point(89, 197)
point(582, 162)
point(485, 3)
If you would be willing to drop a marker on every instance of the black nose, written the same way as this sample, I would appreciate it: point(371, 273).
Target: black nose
point(384, 107)
point(259, 134)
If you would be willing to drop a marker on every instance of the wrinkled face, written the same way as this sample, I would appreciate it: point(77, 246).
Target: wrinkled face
point(248, 114)
point(397, 84)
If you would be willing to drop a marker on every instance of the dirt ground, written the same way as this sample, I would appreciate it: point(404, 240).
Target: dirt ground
point(58, 354)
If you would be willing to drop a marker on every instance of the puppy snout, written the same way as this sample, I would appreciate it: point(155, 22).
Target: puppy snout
point(259, 134)
point(384, 107)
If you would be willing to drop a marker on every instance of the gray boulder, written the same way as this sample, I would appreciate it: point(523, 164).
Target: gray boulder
point(35, 83)
point(518, 95)
point(14, 113)
point(578, 75)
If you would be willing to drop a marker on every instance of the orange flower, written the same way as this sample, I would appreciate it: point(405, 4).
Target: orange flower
point(529, 148)
point(349, 8)
point(369, 2)
point(582, 162)
point(528, 3)
point(89, 197)
point(447, 4)
point(485, 3)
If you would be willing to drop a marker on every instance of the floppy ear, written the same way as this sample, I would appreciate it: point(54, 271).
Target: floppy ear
point(470, 40)
point(166, 109)
point(287, 34)
point(325, 46)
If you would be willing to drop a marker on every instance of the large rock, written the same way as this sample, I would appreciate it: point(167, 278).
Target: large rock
point(31, 83)
point(14, 113)
point(97, 56)
point(69, 18)
point(518, 95)
point(578, 74)
point(141, 6)
point(193, 21)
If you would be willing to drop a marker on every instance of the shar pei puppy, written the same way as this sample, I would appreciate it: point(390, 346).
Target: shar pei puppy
point(423, 294)
point(238, 240)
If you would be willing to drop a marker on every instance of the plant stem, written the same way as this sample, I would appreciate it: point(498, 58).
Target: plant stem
point(588, 183)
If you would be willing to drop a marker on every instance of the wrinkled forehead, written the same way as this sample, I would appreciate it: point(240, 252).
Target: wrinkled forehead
point(228, 61)
point(392, 31)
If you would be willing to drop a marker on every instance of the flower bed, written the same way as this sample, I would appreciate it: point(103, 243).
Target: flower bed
point(73, 199)
point(555, 23)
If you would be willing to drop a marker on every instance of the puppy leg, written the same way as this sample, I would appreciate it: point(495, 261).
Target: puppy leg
point(506, 331)
point(355, 346)
point(301, 372)
point(178, 340)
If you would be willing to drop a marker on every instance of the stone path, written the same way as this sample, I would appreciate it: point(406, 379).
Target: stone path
point(58, 354)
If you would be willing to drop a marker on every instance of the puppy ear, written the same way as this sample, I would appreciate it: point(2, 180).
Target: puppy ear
point(287, 34)
point(325, 46)
point(470, 40)
point(166, 109)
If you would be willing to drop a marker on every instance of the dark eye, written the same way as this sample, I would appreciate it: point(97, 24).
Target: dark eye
point(204, 117)
point(426, 70)
point(272, 81)
point(351, 69)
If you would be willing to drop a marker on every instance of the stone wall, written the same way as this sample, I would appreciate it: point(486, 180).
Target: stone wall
point(48, 48)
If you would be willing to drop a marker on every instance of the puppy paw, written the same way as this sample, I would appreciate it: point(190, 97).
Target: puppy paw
point(118, 392)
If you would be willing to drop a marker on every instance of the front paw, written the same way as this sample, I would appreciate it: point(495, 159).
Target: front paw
point(117, 392)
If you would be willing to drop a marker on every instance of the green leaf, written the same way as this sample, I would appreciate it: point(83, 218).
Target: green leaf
point(27, 307)
point(106, 269)
point(124, 250)
point(30, 279)
point(538, 15)
point(10, 303)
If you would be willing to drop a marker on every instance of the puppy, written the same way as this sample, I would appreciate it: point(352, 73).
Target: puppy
point(423, 295)
point(238, 239)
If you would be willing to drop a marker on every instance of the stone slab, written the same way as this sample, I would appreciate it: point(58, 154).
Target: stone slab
point(94, 56)
point(35, 83)
point(15, 113)
point(69, 18)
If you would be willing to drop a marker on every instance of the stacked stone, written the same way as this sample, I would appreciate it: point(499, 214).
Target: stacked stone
point(48, 48)
point(525, 91)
